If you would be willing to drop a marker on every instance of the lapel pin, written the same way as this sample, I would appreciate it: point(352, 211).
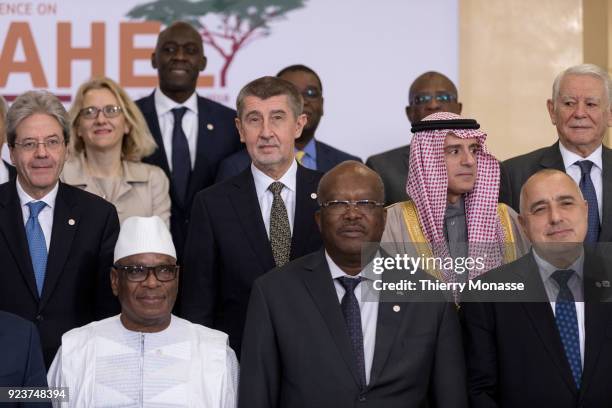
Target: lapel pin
point(396, 308)
point(313, 196)
point(210, 126)
point(71, 222)
point(605, 284)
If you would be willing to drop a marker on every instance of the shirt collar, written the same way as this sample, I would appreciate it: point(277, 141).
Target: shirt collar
point(263, 181)
point(310, 149)
point(456, 209)
point(569, 157)
point(163, 104)
point(547, 269)
point(49, 199)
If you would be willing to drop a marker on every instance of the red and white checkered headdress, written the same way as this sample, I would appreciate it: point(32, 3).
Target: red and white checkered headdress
point(428, 184)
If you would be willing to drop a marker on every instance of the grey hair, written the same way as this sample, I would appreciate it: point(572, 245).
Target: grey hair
point(583, 69)
point(35, 102)
point(3, 107)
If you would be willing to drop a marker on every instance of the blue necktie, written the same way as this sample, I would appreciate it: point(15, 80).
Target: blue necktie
point(36, 243)
point(588, 191)
point(181, 161)
point(352, 316)
point(567, 323)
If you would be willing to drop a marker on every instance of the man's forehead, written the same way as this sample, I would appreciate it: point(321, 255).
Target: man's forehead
point(273, 103)
point(180, 34)
point(584, 84)
point(551, 188)
point(301, 78)
point(452, 139)
point(434, 83)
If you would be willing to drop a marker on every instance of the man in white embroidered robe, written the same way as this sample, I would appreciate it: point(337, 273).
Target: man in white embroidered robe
point(145, 357)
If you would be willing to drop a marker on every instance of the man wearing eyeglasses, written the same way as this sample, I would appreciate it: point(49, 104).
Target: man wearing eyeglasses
point(146, 356)
point(431, 92)
point(453, 212)
point(309, 152)
point(315, 338)
point(56, 241)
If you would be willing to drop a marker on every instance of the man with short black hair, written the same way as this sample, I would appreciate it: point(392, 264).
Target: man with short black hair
point(193, 134)
point(430, 92)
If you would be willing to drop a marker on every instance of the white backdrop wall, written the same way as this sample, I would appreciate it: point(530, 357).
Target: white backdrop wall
point(367, 53)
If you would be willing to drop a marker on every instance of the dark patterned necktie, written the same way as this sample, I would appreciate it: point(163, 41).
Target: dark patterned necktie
point(352, 316)
point(567, 323)
point(588, 191)
point(280, 231)
point(181, 161)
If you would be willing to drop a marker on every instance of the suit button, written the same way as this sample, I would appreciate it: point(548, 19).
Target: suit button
point(39, 318)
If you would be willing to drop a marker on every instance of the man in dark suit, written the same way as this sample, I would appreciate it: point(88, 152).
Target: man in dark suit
point(552, 348)
point(431, 92)
point(193, 134)
point(56, 241)
point(21, 356)
point(581, 110)
point(261, 218)
point(315, 338)
point(310, 152)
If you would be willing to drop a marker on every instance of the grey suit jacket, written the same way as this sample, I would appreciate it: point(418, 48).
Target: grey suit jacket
point(392, 166)
point(296, 350)
point(515, 171)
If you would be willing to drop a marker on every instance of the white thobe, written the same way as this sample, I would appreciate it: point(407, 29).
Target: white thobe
point(186, 365)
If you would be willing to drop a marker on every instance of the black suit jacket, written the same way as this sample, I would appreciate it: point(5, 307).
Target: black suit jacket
point(327, 158)
point(11, 170)
point(77, 289)
point(514, 353)
point(228, 247)
point(296, 349)
point(217, 139)
point(21, 356)
point(515, 171)
point(392, 166)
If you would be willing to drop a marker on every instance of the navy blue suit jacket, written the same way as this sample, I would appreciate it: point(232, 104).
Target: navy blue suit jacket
point(21, 356)
point(217, 139)
point(228, 247)
point(77, 288)
point(327, 158)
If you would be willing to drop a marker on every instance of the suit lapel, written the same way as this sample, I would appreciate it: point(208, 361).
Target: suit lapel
point(244, 199)
point(321, 288)
point(387, 327)
point(305, 207)
point(543, 320)
point(11, 225)
point(606, 178)
point(62, 236)
point(596, 316)
point(201, 166)
point(150, 113)
point(552, 159)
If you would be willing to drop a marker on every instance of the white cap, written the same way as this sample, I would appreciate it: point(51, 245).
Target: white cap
point(142, 235)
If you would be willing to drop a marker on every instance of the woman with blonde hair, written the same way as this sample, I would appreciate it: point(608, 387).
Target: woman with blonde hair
point(109, 138)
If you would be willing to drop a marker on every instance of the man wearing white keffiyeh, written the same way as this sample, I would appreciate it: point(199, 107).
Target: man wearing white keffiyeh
point(454, 213)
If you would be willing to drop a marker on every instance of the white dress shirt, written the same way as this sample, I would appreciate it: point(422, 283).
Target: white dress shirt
point(165, 117)
point(265, 196)
point(575, 284)
point(4, 174)
point(45, 217)
point(573, 170)
point(369, 312)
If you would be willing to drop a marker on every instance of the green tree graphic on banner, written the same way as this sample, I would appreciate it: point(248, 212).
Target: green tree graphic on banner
point(241, 21)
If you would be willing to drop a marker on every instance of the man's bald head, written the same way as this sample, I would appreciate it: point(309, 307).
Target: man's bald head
point(545, 176)
point(431, 92)
point(348, 172)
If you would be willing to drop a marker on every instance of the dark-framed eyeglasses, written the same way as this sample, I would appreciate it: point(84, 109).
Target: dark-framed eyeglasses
point(109, 111)
point(342, 206)
point(30, 145)
point(140, 273)
point(311, 93)
point(423, 99)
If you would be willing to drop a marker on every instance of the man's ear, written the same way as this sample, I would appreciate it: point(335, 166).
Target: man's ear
point(318, 219)
point(551, 111)
point(114, 277)
point(239, 127)
point(153, 62)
